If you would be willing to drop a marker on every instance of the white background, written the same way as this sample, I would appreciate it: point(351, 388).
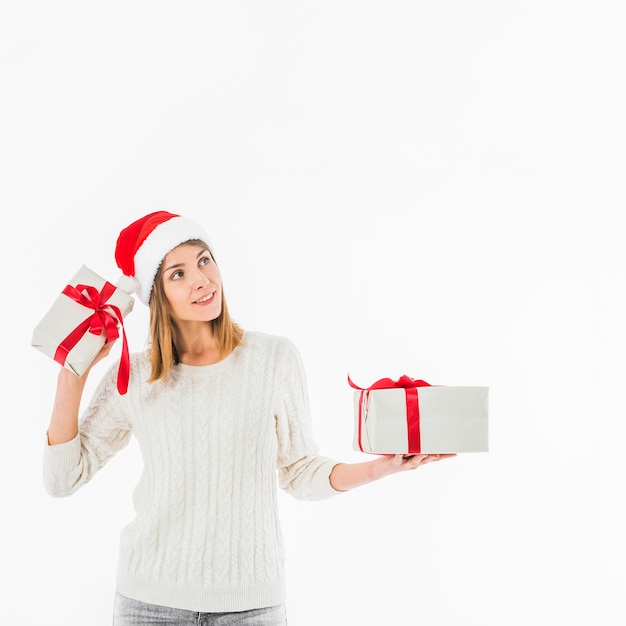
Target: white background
point(424, 188)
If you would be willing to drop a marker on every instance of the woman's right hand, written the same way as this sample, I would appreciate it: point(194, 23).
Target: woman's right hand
point(104, 352)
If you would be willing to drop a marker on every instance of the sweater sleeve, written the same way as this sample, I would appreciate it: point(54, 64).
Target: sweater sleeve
point(302, 472)
point(104, 429)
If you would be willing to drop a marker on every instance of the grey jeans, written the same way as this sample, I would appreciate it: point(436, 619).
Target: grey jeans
point(130, 612)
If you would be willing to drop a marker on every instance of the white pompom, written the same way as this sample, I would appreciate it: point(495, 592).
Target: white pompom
point(128, 284)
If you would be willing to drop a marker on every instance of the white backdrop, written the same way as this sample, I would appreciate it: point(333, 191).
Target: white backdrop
point(432, 189)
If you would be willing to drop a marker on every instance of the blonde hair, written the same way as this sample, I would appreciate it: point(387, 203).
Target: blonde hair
point(163, 352)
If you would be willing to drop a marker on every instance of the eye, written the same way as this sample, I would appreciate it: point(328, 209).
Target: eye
point(177, 275)
point(205, 260)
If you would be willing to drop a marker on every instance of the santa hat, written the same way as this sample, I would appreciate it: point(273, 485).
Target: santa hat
point(142, 246)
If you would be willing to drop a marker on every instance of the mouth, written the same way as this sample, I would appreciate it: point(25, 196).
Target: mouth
point(205, 299)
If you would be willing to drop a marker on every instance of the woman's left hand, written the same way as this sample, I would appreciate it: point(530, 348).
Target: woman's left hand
point(404, 462)
point(346, 476)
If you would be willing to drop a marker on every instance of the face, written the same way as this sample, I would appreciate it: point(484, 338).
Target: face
point(192, 284)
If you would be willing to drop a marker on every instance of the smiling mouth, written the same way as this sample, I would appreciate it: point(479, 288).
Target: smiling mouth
point(205, 298)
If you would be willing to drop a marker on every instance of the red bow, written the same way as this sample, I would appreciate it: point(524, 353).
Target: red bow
point(387, 383)
point(101, 320)
point(412, 406)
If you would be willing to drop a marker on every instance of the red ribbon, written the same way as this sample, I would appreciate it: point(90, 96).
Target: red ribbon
point(412, 406)
point(104, 319)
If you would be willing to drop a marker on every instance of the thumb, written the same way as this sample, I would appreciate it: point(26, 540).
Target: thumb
point(397, 459)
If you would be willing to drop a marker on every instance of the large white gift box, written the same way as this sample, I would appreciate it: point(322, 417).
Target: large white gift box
point(88, 312)
point(410, 416)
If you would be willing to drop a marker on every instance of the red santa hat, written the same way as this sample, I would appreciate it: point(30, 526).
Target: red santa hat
point(142, 246)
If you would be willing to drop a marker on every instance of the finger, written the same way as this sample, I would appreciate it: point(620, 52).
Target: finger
point(416, 460)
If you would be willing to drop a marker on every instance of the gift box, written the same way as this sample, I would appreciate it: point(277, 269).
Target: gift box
point(410, 416)
point(88, 312)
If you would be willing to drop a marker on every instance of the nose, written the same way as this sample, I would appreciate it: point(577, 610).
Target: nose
point(200, 280)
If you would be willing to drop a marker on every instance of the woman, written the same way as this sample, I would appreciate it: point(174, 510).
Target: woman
point(217, 410)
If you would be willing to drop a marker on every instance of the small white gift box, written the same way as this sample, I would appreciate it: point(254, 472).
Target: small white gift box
point(412, 417)
point(87, 313)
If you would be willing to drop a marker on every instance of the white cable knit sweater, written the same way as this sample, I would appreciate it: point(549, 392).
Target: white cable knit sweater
point(206, 536)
